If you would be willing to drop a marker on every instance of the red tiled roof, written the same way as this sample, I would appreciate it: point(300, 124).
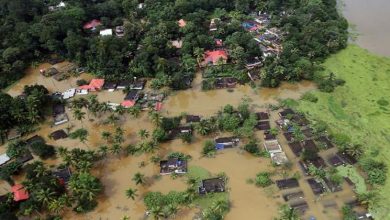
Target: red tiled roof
point(182, 23)
point(214, 56)
point(92, 24)
point(19, 192)
point(158, 106)
point(95, 84)
point(128, 103)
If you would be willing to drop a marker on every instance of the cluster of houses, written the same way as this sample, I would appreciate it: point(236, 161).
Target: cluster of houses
point(60, 72)
point(308, 142)
point(95, 24)
point(269, 39)
point(18, 190)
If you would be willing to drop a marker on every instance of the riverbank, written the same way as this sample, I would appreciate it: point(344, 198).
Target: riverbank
point(360, 108)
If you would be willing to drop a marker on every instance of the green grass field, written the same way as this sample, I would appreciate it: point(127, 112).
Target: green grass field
point(360, 108)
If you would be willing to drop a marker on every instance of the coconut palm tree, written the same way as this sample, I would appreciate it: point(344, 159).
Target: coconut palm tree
point(116, 149)
point(220, 206)
point(103, 150)
point(198, 52)
point(56, 206)
point(84, 186)
point(203, 127)
point(45, 196)
point(134, 111)
point(355, 150)
point(139, 178)
point(143, 134)
point(118, 137)
point(170, 210)
point(288, 213)
point(131, 193)
point(106, 136)
point(157, 212)
point(155, 117)
point(79, 115)
point(112, 119)
point(120, 110)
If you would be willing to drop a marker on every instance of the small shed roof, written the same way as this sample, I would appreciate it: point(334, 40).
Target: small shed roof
point(4, 158)
point(59, 134)
point(106, 32)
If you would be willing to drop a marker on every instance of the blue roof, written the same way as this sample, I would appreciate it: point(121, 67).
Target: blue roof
point(219, 146)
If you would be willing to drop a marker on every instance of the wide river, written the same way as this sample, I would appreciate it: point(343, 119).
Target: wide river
point(371, 20)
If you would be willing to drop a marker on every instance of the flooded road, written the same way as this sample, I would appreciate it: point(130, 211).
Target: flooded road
point(371, 19)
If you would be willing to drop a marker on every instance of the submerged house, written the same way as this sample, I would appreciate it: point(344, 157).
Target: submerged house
point(68, 93)
point(110, 86)
point(287, 183)
point(173, 165)
point(286, 112)
point(301, 207)
point(192, 118)
point(60, 119)
point(214, 57)
point(13, 134)
point(272, 146)
point(263, 125)
point(316, 186)
point(279, 158)
point(58, 108)
point(63, 175)
point(94, 85)
point(212, 185)
point(138, 84)
point(293, 196)
point(176, 132)
point(226, 142)
point(58, 134)
point(262, 116)
point(20, 193)
point(132, 95)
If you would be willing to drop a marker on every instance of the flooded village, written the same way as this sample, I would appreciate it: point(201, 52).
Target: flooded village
point(207, 135)
point(293, 184)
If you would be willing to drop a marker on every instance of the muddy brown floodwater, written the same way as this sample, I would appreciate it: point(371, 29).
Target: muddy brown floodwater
point(371, 19)
point(248, 201)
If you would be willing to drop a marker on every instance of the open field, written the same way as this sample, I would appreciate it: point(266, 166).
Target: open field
point(360, 108)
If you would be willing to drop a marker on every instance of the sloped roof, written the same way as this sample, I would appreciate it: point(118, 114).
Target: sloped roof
point(215, 56)
point(128, 103)
point(182, 23)
point(92, 24)
point(19, 192)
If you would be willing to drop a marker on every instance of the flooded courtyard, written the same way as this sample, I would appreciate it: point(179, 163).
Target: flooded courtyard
point(116, 172)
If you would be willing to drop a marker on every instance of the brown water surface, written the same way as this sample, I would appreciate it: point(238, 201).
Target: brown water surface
point(371, 19)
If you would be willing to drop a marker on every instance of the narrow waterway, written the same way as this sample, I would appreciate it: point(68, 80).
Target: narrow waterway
point(370, 19)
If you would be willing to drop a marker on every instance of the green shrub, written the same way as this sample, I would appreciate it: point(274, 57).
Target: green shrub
point(42, 150)
point(252, 147)
point(263, 179)
point(376, 171)
point(208, 149)
point(310, 97)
